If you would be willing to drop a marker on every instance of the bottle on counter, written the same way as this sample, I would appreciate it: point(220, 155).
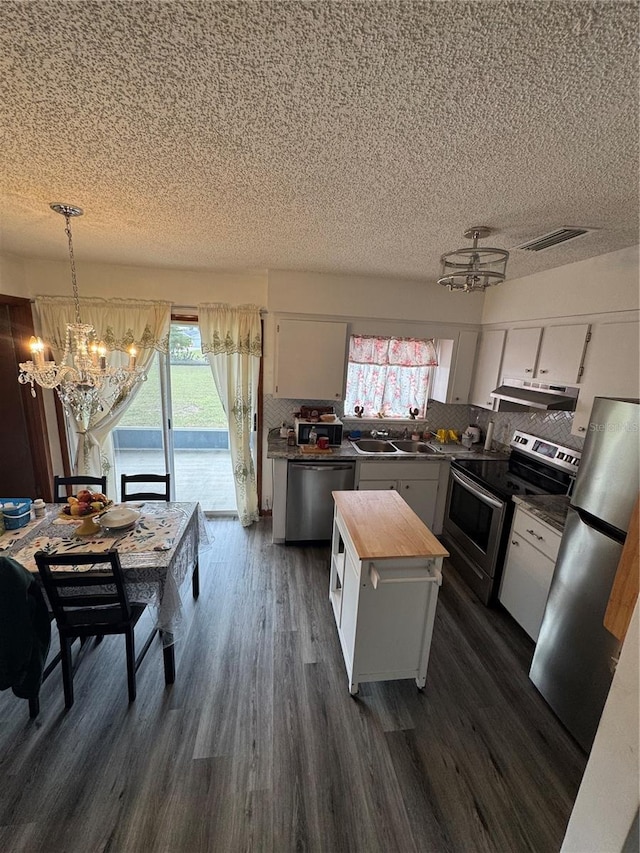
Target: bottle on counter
point(313, 436)
point(291, 438)
point(284, 432)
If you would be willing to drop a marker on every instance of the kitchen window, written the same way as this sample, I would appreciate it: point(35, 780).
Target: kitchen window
point(389, 377)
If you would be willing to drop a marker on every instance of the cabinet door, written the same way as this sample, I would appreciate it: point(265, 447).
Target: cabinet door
point(525, 584)
point(463, 369)
point(421, 495)
point(520, 353)
point(310, 360)
point(452, 377)
point(487, 373)
point(561, 353)
point(610, 369)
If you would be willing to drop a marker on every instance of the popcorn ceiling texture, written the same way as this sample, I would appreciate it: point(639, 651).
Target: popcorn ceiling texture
point(359, 137)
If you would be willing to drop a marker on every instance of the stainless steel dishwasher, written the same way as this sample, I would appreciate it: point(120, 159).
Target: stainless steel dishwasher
point(309, 501)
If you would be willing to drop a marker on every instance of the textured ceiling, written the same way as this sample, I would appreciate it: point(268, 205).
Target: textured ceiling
point(354, 137)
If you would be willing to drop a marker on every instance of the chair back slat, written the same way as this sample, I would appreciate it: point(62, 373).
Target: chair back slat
point(66, 591)
point(75, 482)
point(162, 495)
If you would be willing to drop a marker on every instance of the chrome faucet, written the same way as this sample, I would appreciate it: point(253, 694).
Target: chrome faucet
point(379, 433)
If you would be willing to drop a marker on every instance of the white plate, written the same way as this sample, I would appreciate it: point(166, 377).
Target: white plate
point(122, 516)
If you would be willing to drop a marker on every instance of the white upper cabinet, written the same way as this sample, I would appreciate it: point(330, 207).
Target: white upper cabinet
point(552, 354)
point(310, 359)
point(610, 369)
point(521, 353)
point(561, 353)
point(487, 371)
point(452, 377)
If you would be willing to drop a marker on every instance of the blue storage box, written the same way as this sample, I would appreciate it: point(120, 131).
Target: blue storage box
point(18, 515)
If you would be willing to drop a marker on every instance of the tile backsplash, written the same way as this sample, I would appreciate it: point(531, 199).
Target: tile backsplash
point(554, 426)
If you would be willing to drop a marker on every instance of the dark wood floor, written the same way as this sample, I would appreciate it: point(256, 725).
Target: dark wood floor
point(258, 745)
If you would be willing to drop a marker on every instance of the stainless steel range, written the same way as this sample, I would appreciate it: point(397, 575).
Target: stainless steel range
point(479, 506)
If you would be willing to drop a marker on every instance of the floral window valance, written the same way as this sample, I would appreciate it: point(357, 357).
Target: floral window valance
point(230, 329)
point(404, 352)
point(119, 323)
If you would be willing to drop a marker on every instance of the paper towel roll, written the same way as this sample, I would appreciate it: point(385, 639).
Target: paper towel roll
point(488, 440)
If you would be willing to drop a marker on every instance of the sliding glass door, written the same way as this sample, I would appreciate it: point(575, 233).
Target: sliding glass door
point(177, 424)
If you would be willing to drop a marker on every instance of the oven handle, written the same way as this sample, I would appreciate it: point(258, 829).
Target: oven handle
point(476, 490)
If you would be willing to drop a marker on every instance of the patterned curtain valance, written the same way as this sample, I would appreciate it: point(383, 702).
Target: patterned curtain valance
point(405, 352)
point(118, 322)
point(230, 329)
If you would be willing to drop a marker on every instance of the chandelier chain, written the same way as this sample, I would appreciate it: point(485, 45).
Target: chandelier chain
point(74, 282)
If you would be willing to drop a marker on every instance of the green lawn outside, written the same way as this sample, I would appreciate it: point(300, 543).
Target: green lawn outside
point(195, 399)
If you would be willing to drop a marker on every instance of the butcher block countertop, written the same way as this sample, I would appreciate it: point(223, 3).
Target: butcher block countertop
point(382, 525)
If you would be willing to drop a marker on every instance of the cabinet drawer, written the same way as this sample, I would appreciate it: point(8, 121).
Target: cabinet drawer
point(537, 533)
point(409, 470)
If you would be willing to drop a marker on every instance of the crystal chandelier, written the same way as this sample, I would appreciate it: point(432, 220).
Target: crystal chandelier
point(474, 269)
point(84, 381)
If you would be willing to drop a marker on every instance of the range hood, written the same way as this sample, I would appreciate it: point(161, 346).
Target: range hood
point(517, 395)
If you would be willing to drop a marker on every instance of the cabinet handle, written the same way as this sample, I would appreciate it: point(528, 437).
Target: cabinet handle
point(514, 542)
point(533, 533)
point(528, 370)
point(406, 487)
point(544, 371)
point(489, 403)
point(392, 487)
point(582, 429)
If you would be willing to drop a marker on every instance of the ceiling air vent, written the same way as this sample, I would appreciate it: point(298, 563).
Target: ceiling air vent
point(553, 239)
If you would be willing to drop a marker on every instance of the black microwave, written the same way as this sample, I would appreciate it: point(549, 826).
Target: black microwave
point(333, 431)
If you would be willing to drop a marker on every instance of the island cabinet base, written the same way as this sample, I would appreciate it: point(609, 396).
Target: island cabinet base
point(384, 597)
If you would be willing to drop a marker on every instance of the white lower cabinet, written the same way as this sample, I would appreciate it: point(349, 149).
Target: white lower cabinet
point(530, 562)
point(383, 602)
point(422, 485)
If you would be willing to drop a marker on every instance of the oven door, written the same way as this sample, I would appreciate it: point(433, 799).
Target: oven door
point(473, 521)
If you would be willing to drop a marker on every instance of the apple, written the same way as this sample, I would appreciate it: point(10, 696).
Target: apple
point(74, 510)
point(84, 496)
point(84, 508)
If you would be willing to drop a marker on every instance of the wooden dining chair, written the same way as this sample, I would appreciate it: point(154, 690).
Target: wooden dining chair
point(162, 495)
point(91, 603)
point(77, 481)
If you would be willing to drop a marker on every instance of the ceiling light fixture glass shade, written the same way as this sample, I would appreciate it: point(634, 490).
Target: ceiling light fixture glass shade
point(83, 379)
point(474, 269)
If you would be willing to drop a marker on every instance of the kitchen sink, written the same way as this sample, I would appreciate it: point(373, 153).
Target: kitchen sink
point(395, 447)
point(374, 445)
point(408, 446)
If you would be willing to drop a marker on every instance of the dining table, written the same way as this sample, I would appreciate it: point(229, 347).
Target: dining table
point(157, 551)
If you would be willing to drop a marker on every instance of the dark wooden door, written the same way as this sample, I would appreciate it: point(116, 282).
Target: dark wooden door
point(25, 460)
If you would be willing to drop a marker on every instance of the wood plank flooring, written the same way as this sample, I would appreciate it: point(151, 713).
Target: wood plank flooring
point(259, 747)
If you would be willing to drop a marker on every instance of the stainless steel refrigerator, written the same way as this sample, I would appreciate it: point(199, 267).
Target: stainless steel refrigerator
point(575, 655)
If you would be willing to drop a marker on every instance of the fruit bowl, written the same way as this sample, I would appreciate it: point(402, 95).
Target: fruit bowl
point(85, 506)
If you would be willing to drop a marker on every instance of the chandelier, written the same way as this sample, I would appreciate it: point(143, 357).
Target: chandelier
point(84, 381)
point(473, 269)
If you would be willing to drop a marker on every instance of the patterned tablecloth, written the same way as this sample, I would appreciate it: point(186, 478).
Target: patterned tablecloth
point(156, 554)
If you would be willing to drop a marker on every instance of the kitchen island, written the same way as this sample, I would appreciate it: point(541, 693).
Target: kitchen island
point(386, 568)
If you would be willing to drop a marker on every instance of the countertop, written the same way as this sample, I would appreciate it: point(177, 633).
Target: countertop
point(382, 526)
point(278, 449)
point(551, 509)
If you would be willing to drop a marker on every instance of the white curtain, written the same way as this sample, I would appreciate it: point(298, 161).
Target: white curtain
point(119, 323)
point(232, 340)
